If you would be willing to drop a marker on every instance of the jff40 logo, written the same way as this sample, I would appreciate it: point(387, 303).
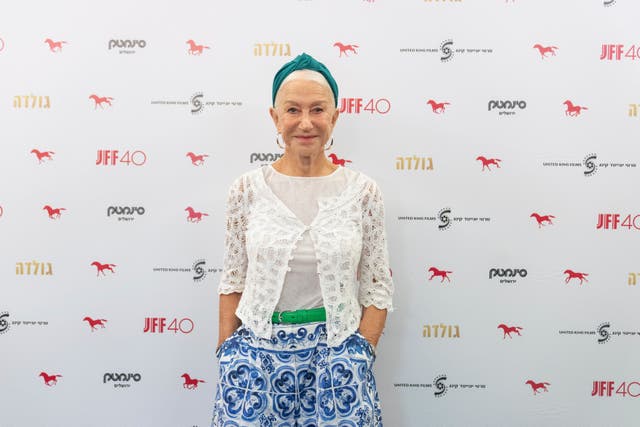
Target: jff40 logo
point(618, 52)
point(606, 389)
point(609, 221)
point(160, 325)
point(358, 105)
point(113, 157)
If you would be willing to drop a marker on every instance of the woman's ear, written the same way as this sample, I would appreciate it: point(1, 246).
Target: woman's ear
point(334, 119)
point(274, 116)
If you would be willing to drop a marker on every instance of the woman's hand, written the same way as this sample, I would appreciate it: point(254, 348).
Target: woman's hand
point(372, 323)
point(228, 321)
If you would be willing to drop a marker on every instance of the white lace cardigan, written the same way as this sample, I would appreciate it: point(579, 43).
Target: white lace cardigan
point(349, 238)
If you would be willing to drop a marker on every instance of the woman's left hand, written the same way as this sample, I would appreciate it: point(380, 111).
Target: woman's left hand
point(372, 324)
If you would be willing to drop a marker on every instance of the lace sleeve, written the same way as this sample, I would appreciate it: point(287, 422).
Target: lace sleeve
point(235, 256)
point(376, 285)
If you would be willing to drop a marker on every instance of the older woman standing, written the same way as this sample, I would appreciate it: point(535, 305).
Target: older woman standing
point(306, 283)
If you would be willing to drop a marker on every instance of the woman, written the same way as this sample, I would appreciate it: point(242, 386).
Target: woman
point(306, 283)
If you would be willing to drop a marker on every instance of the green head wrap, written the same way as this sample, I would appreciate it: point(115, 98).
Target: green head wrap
point(303, 62)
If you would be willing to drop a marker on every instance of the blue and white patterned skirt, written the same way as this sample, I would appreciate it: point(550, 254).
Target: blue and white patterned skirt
point(295, 380)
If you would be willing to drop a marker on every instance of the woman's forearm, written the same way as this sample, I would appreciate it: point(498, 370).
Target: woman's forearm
point(372, 323)
point(228, 321)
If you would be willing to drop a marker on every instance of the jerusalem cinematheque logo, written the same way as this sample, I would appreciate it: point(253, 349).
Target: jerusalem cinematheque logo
point(197, 103)
point(126, 46)
point(448, 50)
point(125, 213)
point(506, 107)
point(121, 380)
point(508, 275)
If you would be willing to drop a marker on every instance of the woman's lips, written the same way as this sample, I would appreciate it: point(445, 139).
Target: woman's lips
point(305, 137)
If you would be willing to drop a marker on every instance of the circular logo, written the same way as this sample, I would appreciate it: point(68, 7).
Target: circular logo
point(439, 384)
point(199, 270)
point(590, 164)
point(1, 44)
point(443, 216)
point(196, 102)
point(446, 50)
point(4, 322)
point(603, 332)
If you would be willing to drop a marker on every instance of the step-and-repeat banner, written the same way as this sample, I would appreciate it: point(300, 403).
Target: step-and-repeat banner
point(505, 137)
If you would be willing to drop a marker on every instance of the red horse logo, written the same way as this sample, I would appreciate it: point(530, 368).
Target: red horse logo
point(196, 159)
point(344, 48)
point(53, 213)
point(55, 46)
point(196, 49)
point(573, 110)
point(93, 323)
point(194, 216)
point(507, 330)
point(486, 163)
point(542, 219)
point(544, 50)
point(100, 100)
point(575, 275)
point(535, 386)
point(190, 383)
point(441, 273)
point(437, 107)
point(42, 155)
point(49, 380)
point(337, 160)
point(100, 268)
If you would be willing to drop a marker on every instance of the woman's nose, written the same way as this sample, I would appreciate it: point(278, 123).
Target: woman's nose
point(305, 121)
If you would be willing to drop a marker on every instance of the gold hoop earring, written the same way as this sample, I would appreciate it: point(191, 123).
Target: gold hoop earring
point(278, 140)
point(330, 145)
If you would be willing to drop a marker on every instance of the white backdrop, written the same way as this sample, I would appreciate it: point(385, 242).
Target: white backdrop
point(118, 169)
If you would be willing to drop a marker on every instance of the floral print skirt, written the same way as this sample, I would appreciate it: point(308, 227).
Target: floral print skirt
point(295, 380)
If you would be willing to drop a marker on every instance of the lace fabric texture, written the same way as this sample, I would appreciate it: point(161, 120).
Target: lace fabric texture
point(349, 237)
point(301, 287)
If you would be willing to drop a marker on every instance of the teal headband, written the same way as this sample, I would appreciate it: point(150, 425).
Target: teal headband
point(303, 62)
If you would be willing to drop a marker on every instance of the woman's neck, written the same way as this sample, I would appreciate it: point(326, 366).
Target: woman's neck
point(293, 165)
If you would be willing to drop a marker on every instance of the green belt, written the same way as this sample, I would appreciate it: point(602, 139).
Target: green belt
point(300, 316)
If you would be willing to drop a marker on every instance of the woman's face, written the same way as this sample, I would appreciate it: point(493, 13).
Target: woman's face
point(305, 115)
